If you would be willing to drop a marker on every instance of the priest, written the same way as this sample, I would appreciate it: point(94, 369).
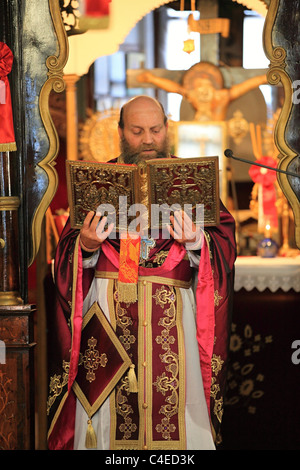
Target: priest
point(139, 344)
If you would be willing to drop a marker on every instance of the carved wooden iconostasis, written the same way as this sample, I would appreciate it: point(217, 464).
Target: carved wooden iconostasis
point(56, 118)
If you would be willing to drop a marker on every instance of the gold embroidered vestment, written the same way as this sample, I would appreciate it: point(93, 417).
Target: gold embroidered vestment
point(151, 332)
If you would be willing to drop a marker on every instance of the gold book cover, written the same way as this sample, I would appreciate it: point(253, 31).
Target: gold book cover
point(158, 186)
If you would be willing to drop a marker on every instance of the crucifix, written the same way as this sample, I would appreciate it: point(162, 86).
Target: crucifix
point(207, 88)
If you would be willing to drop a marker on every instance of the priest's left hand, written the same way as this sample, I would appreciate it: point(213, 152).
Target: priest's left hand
point(184, 231)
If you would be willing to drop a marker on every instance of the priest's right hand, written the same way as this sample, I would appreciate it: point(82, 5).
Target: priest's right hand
point(92, 233)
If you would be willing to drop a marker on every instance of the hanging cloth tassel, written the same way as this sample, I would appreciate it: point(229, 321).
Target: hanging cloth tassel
point(133, 385)
point(128, 268)
point(90, 438)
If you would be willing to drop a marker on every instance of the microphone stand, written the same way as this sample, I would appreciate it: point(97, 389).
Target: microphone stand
point(235, 202)
point(229, 154)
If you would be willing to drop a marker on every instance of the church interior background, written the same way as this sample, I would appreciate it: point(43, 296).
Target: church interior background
point(169, 50)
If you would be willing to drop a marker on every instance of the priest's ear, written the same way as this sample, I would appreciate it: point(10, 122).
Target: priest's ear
point(120, 131)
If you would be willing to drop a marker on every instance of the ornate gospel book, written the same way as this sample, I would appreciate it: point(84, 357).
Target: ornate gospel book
point(152, 189)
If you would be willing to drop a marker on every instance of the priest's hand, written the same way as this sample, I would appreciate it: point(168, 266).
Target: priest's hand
point(184, 231)
point(92, 233)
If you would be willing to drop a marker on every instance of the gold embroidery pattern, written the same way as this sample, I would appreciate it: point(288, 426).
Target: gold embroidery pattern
point(92, 360)
point(166, 428)
point(127, 339)
point(124, 322)
point(167, 382)
point(217, 298)
point(57, 382)
point(218, 409)
point(124, 409)
point(162, 297)
point(160, 258)
point(218, 406)
point(216, 366)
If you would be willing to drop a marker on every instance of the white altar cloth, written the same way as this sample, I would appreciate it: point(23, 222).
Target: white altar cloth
point(267, 273)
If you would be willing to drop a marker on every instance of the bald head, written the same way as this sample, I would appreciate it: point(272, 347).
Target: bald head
point(141, 102)
point(143, 129)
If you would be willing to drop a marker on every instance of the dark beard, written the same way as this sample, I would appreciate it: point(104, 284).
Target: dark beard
point(133, 156)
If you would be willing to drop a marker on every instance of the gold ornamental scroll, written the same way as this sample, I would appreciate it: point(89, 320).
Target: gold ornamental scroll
point(55, 65)
point(280, 70)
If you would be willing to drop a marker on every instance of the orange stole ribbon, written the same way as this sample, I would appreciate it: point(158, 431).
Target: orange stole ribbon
point(128, 267)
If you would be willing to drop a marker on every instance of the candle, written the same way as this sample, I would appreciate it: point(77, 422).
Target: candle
point(268, 231)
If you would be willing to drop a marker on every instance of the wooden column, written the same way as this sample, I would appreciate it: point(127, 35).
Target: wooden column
point(72, 116)
point(9, 239)
point(30, 29)
point(16, 323)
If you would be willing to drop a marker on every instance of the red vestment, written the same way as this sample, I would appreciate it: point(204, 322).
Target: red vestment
point(213, 299)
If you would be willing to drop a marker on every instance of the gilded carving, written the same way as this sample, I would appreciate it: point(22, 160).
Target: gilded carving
point(55, 65)
point(277, 73)
point(98, 136)
point(238, 127)
point(257, 5)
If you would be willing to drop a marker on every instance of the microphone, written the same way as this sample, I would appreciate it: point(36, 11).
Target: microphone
point(229, 154)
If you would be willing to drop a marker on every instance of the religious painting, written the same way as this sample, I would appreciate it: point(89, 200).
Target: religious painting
point(193, 139)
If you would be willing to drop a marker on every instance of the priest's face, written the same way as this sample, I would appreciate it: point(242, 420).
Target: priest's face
point(144, 132)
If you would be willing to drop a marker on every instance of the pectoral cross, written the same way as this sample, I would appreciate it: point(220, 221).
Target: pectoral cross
point(146, 245)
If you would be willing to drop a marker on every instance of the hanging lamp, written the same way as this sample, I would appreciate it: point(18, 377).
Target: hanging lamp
point(188, 44)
